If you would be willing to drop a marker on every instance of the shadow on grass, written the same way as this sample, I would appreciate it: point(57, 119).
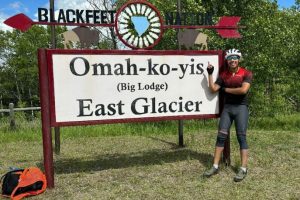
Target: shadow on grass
point(117, 161)
point(135, 159)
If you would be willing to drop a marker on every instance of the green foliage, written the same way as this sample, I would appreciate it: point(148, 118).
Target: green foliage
point(19, 69)
point(278, 122)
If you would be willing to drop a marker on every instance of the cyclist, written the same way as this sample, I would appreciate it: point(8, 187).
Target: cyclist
point(234, 82)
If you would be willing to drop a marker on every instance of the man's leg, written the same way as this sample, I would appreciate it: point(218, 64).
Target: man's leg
point(217, 155)
point(241, 123)
point(244, 157)
point(224, 126)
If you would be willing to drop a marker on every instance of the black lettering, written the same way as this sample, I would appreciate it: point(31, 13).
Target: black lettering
point(42, 15)
point(178, 19)
point(194, 19)
point(111, 109)
point(131, 66)
point(200, 69)
point(100, 110)
point(187, 106)
point(208, 19)
point(200, 19)
point(82, 107)
point(192, 67)
point(145, 107)
point(162, 107)
point(198, 103)
point(152, 68)
point(97, 16)
point(70, 12)
point(183, 70)
point(169, 18)
point(88, 14)
point(164, 66)
point(171, 106)
point(79, 16)
point(119, 69)
point(112, 16)
point(52, 16)
point(120, 104)
point(180, 105)
point(102, 69)
point(104, 17)
point(184, 17)
point(86, 66)
point(61, 16)
point(153, 100)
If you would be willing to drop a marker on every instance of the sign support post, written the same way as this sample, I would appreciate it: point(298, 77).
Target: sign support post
point(180, 122)
point(45, 109)
point(53, 46)
point(226, 152)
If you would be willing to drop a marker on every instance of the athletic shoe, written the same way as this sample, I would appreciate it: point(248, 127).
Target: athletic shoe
point(210, 172)
point(240, 175)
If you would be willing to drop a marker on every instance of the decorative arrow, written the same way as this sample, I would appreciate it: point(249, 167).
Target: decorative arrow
point(226, 27)
point(20, 22)
point(231, 30)
point(23, 23)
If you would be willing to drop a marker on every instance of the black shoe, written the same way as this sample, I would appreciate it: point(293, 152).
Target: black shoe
point(210, 172)
point(240, 175)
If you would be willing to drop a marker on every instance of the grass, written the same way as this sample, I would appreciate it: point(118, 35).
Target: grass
point(143, 161)
point(30, 130)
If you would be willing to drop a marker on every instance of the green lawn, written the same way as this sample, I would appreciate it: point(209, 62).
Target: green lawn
point(151, 166)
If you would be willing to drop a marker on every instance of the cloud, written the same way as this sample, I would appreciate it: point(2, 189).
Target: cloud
point(15, 5)
point(18, 7)
point(8, 10)
point(3, 26)
point(74, 4)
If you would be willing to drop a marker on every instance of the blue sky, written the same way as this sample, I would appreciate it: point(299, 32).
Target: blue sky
point(29, 7)
point(286, 3)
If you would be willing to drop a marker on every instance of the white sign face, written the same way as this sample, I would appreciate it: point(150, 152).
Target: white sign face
point(113, 87)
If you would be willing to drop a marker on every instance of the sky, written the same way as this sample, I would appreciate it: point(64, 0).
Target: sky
point(10, 8)
point(29, 7)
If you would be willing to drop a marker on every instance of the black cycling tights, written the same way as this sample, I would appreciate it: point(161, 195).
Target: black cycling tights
point(239, 114)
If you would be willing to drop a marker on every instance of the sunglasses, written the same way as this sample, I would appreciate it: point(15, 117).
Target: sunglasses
point(233, 58)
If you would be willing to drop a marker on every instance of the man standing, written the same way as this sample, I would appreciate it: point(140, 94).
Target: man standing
point(234, 82)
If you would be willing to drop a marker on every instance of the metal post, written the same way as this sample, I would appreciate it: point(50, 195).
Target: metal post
point(31, 105)
point(52, 27)
point(57, 140)
point(179, 11)
point(180, 122)
point(1, 105)
point(226, 151)
point(12, 116)
point(180, 133)
point(53, 46)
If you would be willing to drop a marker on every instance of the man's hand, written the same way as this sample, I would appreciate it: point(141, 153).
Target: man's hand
point(210, 69)
point(222, 89)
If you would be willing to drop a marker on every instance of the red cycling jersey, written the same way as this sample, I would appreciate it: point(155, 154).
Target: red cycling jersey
point(228, 79)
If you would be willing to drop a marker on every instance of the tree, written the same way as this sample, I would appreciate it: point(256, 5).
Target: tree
point(108, 39)
point(19, 68)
